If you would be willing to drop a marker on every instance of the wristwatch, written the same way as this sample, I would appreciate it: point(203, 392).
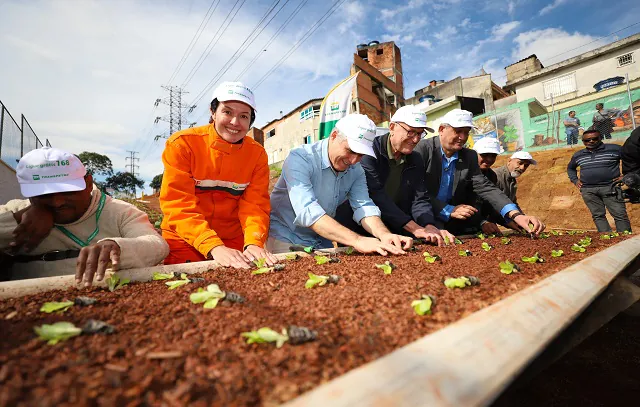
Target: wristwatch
point(515, 215)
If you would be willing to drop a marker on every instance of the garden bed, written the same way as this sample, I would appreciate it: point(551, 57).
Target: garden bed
point(168, 351)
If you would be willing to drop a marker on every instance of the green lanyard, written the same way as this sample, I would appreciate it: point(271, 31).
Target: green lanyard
point(73, 237)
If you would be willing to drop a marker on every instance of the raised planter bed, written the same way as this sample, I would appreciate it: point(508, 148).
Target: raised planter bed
point(168, 351)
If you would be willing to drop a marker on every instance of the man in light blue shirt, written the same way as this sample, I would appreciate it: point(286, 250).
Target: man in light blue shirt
point(315, 180)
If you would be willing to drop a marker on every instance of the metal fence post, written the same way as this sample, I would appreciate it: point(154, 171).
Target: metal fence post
point(21, 135)
point(1, 127)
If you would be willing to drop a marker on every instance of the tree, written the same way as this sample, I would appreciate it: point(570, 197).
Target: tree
point(96, 164)
point(156, 182)
point(123, 182)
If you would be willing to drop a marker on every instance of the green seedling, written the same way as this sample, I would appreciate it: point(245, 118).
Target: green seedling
point(605, 237)
point(326, 259)
point(162, 276)
point(387, 267)
point(178, 283)
point(585, 242)
point(506, 267)
point(292, 256)
point(461, 282)
point(446, 240)
point(348, 251)
point(486, 246)
point(578, 248)
point(431, 259)
point(572, 232)
point(210, 297)
point(543, 236)
point(260, 262)
point(556, 233)
point(465, 253)
point(505, 240)
point(458, 241)
point(481, 236)
point(263, 270)
point(59, 331)
point(266, 335)
point(61, 307)
point(115, 283)
point(423, 306)
point(557, 253)
point(625, 233)
point(533, 259)
point(320, 280)
point(616, 234)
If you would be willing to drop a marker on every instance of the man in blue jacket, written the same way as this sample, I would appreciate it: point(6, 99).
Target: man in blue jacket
point(395, 178)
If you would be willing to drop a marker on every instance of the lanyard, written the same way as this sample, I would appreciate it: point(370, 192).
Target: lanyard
point(73, 237)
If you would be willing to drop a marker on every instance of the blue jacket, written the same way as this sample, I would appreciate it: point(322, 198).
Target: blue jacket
point(414, 203)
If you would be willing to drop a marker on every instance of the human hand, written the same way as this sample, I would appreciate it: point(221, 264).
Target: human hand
point(447, 235)
point(228, 257)
point(579, 184)
point(94, 260)
point(490, 228)
point(430, 234)
point(530, 224)
point(463, 212)
point(253, 252)
point(399, 241)
point(34, 225)
point(373, 245)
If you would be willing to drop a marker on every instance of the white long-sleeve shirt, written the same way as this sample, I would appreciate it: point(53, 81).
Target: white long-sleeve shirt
point(140, 245)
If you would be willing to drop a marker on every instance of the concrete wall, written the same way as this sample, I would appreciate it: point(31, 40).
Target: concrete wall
point(587, 73)
point(475, 86)
point(9, 187)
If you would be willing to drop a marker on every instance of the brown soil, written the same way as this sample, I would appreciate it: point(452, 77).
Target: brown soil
point(365, 316)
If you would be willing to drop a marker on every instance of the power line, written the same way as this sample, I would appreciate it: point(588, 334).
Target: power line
point(295, 46)
point(195, 38)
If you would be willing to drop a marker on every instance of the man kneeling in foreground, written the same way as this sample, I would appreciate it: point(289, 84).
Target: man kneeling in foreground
point(68, 226)
point(315, 180)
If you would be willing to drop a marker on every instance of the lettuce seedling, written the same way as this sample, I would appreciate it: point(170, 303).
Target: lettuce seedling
point(578, 248)
point(505, 240)
point(162, 276)
point(481, 236)
point(50, 307)
point(325, 259)
point(606, 237)
point(178, 283)
point(387, 267)
point(458, 241)
point(486, 246)
point(60, 331)
point(209, 297)
point(585, 242)
point(557, 253)
point(572, 232)
point(506, 267)
point(461, 282)
point(431, 259)
point(556, 233)
point(292, 256)
point(320, 280)
point(260, 262)
point(266, 335)
point(263, 270)
point(115, 283)
point(543, 236)
point(625, 233)
point(348, 251)
point(533, 259)
point(446, 240)
point(423, 306)
point(465, 253)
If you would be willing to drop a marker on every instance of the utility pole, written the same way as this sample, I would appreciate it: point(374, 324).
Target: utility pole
point(132, 166)
point(176, 108)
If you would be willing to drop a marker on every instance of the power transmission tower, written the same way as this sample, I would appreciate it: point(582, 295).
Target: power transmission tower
point(176, 108)
point(132, 166)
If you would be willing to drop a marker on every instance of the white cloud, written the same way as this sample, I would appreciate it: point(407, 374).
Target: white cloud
point(500, 31)
point(423, 44)
point(511, 8)
point(353, 14)
point(464, 22)
point(556, 3)
point(445, 34)
point(553, 45)
point(31, 48)
point(387, 13)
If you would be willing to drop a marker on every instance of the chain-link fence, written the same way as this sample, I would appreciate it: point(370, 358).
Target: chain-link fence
point(16, 140)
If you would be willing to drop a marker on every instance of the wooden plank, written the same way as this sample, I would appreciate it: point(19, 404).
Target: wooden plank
point(470, 362)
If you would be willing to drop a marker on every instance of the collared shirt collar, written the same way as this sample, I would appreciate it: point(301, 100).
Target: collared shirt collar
point(444, 156)
point(398, 161)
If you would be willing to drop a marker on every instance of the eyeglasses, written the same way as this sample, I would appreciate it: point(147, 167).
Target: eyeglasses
point(590, 140)
point(412, 133)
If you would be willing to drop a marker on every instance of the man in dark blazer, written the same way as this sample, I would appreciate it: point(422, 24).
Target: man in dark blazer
point(454, 181)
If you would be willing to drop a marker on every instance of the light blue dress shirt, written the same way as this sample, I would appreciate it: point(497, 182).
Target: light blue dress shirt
point(445, 193)
point(310, 188)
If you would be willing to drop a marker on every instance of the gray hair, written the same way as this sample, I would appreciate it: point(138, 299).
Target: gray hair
point(340, 136)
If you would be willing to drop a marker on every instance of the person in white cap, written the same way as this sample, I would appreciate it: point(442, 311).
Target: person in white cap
point(214, 193)
point(316, 178)
point(513, 169)
point(454, 180)
point(395, 179)
point(68, 226)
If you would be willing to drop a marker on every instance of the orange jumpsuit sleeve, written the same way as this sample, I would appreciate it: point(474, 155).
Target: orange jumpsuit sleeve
point(179, 203)
point(254, 206)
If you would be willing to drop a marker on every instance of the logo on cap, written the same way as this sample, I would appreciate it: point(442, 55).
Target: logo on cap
point(36, 178)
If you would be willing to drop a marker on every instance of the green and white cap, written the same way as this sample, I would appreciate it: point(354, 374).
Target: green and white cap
point(411, 116)
point(49, 170)
point(235, 91)
point(360, 132)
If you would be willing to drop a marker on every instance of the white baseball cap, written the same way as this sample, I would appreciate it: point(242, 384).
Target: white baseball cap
point(458, 118)
point(360, 132)
point(487, 145)
point(49, 170)
point(235, 91)
point(524, 155)
point(411, 116)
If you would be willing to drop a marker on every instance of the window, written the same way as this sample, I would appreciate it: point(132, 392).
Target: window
point(306, 114)
point(316, 111)
point(625, 59)
point(307, 139)
point(559, 86)
point(271, 133)
point(379, 51)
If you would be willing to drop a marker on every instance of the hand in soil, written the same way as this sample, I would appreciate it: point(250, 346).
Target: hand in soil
point(490, 228)
point(530, 224)
point(34, 224)
point(448, 238)
point(399, 241)
point(373, 245)
point(94, 260)
point(430, 234)
point(228, 257)
point(253, 252)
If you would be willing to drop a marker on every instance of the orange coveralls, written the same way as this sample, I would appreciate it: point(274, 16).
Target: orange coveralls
point(213, 193)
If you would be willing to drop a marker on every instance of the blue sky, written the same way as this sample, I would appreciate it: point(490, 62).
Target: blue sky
point(86, 73)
